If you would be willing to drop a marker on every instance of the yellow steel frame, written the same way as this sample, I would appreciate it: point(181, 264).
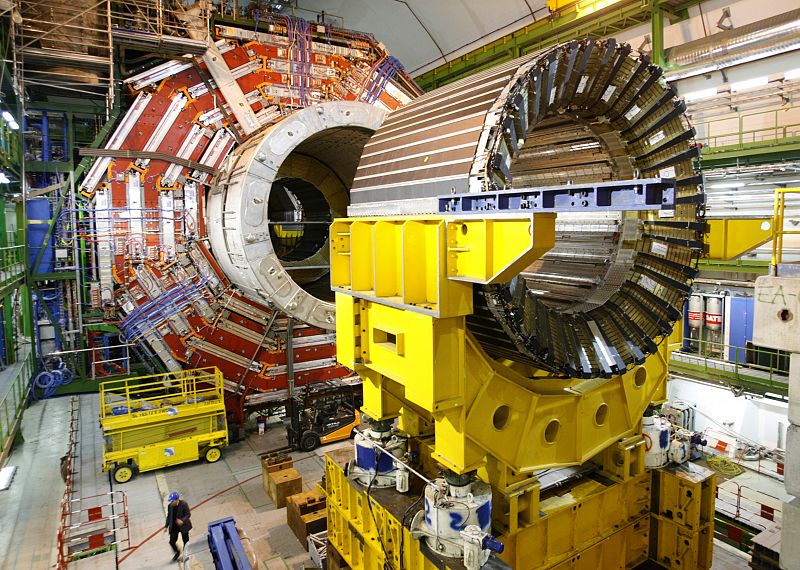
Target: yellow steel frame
point(403, 290)
point(731, 238)
point(163, 419)
point(778, 229)
point(401, 325)
point(592, 525)
point(682, 521)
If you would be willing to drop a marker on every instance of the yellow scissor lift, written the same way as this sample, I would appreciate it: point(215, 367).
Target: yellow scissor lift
point(150, 422)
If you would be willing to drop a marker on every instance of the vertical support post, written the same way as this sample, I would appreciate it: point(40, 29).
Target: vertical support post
point(290, 356)
point(46, 151)
point(657, 21)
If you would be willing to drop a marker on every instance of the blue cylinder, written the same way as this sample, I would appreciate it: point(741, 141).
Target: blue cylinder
point(40, 209)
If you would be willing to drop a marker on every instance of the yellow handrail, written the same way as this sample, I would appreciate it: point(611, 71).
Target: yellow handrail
point(130, 395)
point(778, 230)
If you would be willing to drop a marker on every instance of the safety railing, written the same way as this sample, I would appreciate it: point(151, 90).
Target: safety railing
point(750, 367)
point(92, 525)
point(13, 401)
point(751, 136)
point(741, 136)
point(740, 453)
point(778, 228)
point(158, 18)
point(754, 508)
point(148, 394)
point(12, 264)
point(68, 474)
point(102, 362)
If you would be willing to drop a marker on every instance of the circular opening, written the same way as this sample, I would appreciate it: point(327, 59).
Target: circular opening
point(640, 377)
point(560, 150)
point(299, 217)
point(785, 315)
point(601, 414)
point(500, 417)
point(765, 226)
point(551, 431)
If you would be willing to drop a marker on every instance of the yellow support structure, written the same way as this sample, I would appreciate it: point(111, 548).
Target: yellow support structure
point(731, 238)
point(778, 228)
point(590, 525)
point(683, 516)
point(403, 289)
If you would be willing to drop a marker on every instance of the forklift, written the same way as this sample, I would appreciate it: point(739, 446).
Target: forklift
point(323, 412)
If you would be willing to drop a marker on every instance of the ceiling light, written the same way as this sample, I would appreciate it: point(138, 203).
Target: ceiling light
point(749, 83)
point(731, 184)
point(792, 74)
point(701, 94)
point(9, 118)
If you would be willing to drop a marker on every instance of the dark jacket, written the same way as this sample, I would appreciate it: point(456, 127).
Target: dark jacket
point(181, 512)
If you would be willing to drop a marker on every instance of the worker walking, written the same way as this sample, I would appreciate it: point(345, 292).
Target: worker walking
point(179, 520)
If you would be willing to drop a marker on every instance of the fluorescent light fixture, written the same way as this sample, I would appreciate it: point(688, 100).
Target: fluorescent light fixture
point(9, 118)
point(731, 184)
point(749, 83)
point(792, 74)
point(700, 94)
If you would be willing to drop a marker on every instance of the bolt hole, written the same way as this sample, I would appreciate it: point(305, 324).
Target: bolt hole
point(640, 377)
point(500, 417)
point(785, 315)
point(551, 431)
point(601, 414)
point(464, 229)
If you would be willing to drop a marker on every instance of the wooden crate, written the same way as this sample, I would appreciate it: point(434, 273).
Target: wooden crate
point(305, 514)
point(271, 462)
point(282, 484)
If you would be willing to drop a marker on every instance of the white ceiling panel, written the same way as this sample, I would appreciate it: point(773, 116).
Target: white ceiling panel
point(423, 34)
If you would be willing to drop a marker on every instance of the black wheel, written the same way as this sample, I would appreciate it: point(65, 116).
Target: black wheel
point(309, 441)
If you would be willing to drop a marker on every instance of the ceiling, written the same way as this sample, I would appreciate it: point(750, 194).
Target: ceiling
point(423, 34)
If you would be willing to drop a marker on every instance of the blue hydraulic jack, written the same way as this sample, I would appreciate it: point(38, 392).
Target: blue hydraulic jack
point(226, 546)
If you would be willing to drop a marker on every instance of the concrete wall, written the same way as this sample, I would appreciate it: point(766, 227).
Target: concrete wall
point(755, 419)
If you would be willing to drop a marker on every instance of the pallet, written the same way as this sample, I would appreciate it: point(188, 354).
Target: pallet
point(306, 514)
point(282, 484)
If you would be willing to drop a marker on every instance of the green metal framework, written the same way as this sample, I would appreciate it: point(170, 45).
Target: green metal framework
point(770, 380)
point(13, 402)
point(584, 18)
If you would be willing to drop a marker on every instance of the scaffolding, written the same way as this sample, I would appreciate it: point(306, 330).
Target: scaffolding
point(65, 48)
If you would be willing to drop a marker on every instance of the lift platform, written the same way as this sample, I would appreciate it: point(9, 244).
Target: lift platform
point(154, 421)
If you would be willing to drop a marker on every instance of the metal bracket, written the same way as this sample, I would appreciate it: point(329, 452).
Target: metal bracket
point(637, 194)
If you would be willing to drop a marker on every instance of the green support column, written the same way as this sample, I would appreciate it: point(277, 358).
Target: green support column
point(7, 312)
point(658, 33)
point(9, 338)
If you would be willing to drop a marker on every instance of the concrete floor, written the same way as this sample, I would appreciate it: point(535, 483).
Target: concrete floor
point(231, 487)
